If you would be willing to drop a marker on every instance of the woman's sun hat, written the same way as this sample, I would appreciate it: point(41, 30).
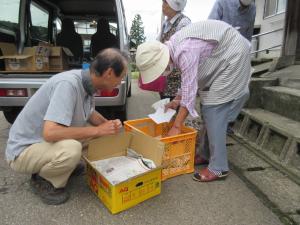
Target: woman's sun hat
point(152, 58)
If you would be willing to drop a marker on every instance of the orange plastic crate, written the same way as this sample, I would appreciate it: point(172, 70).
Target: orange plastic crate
point(179, 152)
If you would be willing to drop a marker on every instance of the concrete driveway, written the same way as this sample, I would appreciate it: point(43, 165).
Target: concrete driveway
point(182, 201)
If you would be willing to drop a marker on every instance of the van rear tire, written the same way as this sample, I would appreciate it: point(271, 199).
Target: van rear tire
point(12, 113)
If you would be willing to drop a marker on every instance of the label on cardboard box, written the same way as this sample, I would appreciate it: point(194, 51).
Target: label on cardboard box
point(39, 63)
point(14, 64)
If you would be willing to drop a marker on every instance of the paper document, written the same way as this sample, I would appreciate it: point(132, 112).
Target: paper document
point(160, 103)
point(119, 169)
point(160, 116)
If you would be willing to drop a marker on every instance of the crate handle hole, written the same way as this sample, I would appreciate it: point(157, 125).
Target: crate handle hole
point(139, 184)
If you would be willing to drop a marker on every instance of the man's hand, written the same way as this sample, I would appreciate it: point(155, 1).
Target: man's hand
point(53, 131)
point(118, 124)
point(172, 105)
point(96, 118)
point(174, 131)
point(109, 127)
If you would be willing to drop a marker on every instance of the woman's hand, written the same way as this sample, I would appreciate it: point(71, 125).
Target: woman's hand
point(172, 105)
point(174, 131)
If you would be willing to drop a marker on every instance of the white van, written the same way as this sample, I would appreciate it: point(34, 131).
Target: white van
point(27, 23)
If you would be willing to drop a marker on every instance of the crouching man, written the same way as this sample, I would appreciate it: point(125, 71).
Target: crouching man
point(45, 138)
point(215, 58)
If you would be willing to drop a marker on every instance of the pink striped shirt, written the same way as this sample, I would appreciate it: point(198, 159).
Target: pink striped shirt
point(187, 57)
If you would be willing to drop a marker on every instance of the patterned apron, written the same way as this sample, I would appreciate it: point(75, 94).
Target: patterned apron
point(173, 79)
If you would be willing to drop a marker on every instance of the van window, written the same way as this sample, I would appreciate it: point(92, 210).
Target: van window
point(86, 29)
point(39, 20)
point(9, 16)
point(113, 27)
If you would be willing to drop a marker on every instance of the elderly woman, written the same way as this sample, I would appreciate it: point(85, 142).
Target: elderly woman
point(175, 20)
point(214, 59)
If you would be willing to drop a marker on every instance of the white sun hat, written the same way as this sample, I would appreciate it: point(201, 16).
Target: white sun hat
point(152, 58)
point(177, 5)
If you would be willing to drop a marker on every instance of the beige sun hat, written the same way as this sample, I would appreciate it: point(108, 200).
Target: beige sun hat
point(152, 58)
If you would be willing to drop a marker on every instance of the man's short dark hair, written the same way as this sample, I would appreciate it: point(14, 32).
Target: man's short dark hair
point(109, 58)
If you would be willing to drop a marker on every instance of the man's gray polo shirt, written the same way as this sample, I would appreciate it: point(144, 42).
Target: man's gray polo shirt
point(62, 99)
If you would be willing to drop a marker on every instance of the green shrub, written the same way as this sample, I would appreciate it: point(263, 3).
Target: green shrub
point(135, 75)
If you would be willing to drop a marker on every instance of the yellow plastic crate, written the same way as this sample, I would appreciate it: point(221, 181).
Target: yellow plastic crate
point(179, 152)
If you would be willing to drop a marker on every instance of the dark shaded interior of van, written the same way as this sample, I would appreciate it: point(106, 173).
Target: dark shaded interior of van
point(42, 21)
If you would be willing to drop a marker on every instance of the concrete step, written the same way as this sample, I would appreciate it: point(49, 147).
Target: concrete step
point(288, 72)
point(290, 82)
point(256, 85)
point(282, 100)
point(265, 180)
point(261, 68)
point(274, 137)
point(258, 61)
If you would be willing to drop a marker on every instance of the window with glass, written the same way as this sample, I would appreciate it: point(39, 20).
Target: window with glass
point(39, 21)
point(273, 7)
point(9, 16)
point(113, 28)
point(87, 28)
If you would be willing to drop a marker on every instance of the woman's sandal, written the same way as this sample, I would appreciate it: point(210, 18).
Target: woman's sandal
point(205, 175)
